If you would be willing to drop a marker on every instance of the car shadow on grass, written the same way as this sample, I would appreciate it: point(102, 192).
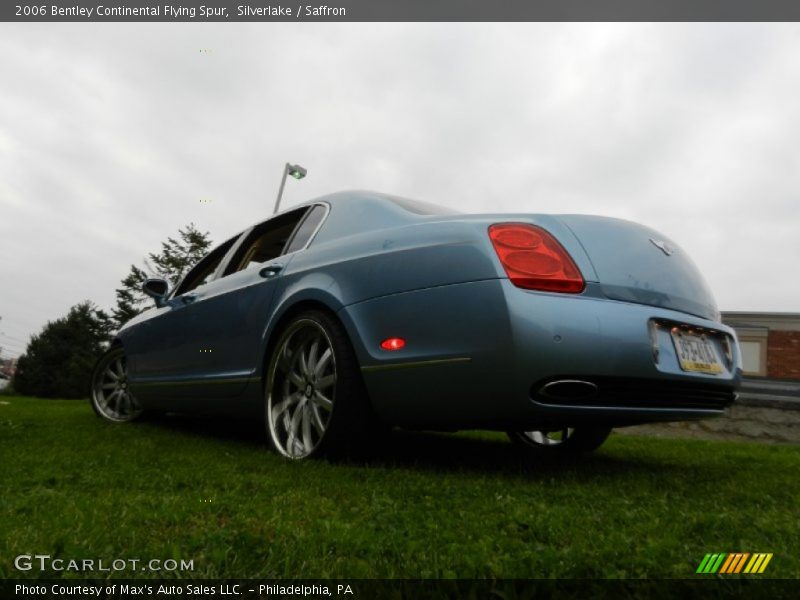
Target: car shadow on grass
point(466, 452)
point(225, 429)
point(493, 454)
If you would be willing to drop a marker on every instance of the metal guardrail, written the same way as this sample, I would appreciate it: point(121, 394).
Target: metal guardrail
point(770, 393)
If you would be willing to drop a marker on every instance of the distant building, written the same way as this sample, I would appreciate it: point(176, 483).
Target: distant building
point(770, 343)
point(8, 367)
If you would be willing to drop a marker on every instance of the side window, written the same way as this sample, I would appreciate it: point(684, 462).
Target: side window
point(204, 271)
point(307, 228)
point(266, 241)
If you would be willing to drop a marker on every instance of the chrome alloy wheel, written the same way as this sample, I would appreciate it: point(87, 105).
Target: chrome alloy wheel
point(301, 389)
point(111, 395)
point(566, 441)
point(547, 438)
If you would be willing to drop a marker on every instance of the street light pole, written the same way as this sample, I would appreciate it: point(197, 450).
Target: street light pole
point(295, 171)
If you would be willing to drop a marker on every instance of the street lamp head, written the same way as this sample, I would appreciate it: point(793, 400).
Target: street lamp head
point(297, 171)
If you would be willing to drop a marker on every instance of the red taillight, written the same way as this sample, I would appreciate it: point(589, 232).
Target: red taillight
point(534, 260)
point(393, 343)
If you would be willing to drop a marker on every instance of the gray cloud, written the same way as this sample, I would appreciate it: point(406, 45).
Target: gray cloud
point(111, 134)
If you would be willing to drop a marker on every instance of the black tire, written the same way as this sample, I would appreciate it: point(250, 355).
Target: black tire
point(560, 443)
point(110, 395)
point(313, 405)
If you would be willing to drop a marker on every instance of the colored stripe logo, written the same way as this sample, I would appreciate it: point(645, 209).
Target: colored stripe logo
point(736, 562)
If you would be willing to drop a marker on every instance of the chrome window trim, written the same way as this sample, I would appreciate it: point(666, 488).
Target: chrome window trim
point(314, 233)
point(243, 235)
point(215, 275)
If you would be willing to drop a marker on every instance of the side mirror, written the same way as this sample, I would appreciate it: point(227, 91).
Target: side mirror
point(157, 289)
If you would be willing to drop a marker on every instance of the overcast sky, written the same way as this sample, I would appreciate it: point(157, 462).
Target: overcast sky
point(110, 135)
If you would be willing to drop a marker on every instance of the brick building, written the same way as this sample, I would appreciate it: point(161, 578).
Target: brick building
point(770, 343)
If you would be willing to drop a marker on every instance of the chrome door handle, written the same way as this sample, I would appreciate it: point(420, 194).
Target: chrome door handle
point(270, 271)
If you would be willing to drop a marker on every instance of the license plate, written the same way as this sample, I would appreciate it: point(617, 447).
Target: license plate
point(696, 352)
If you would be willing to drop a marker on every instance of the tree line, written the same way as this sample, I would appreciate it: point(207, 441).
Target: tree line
point(58, 361)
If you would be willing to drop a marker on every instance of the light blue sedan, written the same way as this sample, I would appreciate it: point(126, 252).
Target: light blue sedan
point(357, 311)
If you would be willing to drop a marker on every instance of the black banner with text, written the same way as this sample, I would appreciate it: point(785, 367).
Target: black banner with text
point(407, 10)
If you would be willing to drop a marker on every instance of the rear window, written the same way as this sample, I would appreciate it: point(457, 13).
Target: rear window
point(266, 241)
point(422, 208)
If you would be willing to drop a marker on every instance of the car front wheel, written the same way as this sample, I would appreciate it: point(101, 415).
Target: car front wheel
point(111, 396)
point(567, 441)
point(314, 398)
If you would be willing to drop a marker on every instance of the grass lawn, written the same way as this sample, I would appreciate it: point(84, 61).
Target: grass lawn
point(422, 506)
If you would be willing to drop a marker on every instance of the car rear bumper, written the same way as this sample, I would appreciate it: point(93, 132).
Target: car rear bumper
point(485, 354)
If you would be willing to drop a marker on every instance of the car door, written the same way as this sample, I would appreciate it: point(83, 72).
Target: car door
point(206, 343)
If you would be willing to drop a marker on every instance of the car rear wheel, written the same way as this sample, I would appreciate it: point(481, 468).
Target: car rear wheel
point(315, 402)
point(111, 396)
point(567, 441)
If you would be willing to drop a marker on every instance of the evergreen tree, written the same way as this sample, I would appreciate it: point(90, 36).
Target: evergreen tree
point(177, 256)
point(130, 299)
point(58, 362)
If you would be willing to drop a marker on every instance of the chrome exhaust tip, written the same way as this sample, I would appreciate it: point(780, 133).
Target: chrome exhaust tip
point(569, 389)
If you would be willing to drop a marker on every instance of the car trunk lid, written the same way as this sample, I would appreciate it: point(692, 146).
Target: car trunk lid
point(637, 264)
